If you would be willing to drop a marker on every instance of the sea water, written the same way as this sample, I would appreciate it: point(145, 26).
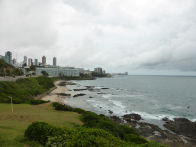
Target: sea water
point(153, 97)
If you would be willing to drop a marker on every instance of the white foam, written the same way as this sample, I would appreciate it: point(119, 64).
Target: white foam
point(118, 104)
point(193, 120)
point(98, 87)
point(146, 115)
point(107, 96)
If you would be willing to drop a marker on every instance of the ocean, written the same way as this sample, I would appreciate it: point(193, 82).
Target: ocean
point(153, 97)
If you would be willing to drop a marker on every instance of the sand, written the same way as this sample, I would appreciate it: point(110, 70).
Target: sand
point(53, 95)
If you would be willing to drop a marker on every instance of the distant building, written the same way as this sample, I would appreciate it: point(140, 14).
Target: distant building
point(8, 57)
point(44, 60)
point(54, 61)
point(57, 71)
point(14, 61)
point(25, 60)
point(36, 62)
point(98, 70)
point(83, 71)
point(1, 57)
point(30, 62)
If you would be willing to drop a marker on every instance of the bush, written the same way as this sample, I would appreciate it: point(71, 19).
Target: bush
point(85, 137)
point(37, 102)
point(92, 120)
point(52, 136)
point(40, 131)
point(61, 107)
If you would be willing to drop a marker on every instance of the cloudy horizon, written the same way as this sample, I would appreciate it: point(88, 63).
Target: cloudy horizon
point(141, 37)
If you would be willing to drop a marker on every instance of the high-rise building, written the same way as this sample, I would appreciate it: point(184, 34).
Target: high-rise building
point(43, 60)
point(8, 57)
point(14, 61)
point(36, 62)
point(98, 70)
point(30, 62)
point(25, 60)
point(54, 61)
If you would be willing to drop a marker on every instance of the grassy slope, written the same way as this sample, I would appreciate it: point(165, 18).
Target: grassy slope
point(13, 125)
point(24, 90)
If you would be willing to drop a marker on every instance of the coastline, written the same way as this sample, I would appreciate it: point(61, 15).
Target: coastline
point(170, 136)
point(53, 96)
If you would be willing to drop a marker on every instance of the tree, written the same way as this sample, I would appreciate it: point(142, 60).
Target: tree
point(44, 73)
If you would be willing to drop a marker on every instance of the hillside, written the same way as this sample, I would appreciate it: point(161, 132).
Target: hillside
point(9, 70)
point(13, 125)
point(23, 90)
point(60, 125)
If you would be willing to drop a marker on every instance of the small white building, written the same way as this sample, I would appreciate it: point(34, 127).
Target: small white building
point(56, 71)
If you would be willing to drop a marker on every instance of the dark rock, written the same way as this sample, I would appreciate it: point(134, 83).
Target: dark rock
point(165, 119)
point(182, 126)
point(116, 119)
point(130, 117)
point(110, 111)
point(80, 94)
point(63, 83)
point(63, 94)
point(90, 97)
point(104, 88)
point(90, 88)
point(153, 132)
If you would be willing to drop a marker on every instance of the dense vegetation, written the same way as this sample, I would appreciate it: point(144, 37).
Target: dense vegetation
point(92, 120)
point(97, 130)
point(23, 90)
point(9, 70)
point(51, 136)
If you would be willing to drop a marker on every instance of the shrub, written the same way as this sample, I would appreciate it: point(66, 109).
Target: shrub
point(40, 131)
point(92, 120)
point(85, 137)
point(37, 102)
point(61, 107)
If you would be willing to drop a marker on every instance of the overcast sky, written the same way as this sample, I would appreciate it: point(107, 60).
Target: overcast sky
point(139, 36)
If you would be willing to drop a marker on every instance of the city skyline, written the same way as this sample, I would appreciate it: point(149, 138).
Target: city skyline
point(141, 37)
point(8, 57)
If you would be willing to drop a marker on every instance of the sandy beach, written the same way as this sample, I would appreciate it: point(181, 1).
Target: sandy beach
point(54, 96)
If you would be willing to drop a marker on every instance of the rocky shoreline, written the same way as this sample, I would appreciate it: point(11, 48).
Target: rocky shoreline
point(179, 132)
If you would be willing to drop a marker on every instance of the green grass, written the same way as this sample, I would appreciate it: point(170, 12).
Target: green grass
point(13, 125)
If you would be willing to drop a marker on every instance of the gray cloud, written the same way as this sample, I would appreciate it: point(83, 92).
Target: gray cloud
point(135, 36)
